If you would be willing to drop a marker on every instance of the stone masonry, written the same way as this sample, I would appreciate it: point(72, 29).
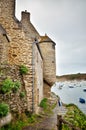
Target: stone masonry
point(21, 44)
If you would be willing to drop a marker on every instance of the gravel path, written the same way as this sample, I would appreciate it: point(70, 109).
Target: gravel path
point(49, 122)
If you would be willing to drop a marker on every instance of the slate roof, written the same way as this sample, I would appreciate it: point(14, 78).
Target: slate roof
point(46, 39)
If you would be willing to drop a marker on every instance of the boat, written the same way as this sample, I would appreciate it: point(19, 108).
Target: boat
point(84, 89)
point(81, 100)
point(71, 86)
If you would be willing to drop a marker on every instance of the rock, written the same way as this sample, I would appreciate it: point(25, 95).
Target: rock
point(5, 120)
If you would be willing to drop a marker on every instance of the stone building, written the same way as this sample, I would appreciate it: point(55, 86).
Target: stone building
point(21, 44)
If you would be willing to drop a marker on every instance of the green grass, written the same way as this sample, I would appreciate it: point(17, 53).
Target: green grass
point(23, 120)
point(75, 116)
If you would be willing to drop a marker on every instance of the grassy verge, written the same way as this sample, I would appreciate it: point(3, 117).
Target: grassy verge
point(75, 117)
point(20, 121)
point(27, 118)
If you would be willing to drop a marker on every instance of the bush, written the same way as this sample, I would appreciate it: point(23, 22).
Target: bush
point(23, 69)
point(7, 85)
point(22, 94)
point(43, 103)
point(4, 109)
point(16, 86)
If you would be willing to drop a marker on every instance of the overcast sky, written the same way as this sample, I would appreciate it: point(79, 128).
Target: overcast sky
point(64, 21)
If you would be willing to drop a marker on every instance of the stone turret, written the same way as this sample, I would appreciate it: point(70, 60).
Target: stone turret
point(49, 74)
point(7, 8)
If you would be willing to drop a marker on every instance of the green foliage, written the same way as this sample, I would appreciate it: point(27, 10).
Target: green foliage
point(65, 127)
point(22, 94)
point(20, 121)
point(7, 85)
point(43, 103)
point(4, 109)
point(16, 86)
point(75, 116)
point(16, 125)
point(23, 69)
point(32, 119)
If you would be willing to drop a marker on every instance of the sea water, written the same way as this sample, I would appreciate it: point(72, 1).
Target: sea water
point(70, 92)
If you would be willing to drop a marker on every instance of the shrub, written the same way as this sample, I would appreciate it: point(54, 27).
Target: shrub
point(4, 109)
point(16, 86)
point(43, 103)
point(22, 94)
point(7, 85)
point(23, 69)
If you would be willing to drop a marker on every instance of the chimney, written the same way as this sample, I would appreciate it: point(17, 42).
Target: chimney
point(25, 16)
point(7, 8)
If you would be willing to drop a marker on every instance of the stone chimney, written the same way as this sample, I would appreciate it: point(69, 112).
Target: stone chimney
point(25, 16)
point(7, 8)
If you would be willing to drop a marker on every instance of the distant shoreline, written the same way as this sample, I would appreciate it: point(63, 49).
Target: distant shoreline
point(78, 76)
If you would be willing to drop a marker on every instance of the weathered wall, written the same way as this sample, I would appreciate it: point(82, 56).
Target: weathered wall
point(47, 47)
point(16, 103)
point(47, 90)
point(38, 77)
point(3, 49)
point(48, 52)
point(21, 36)
point(19, 46)
point(37, 61)
point(28, 27)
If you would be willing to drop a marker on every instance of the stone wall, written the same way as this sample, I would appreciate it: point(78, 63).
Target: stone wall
point(38, 77)
point(37, 61)
point(28, 27)
point(3, 49)
point(20, 48)
point(47, 90)
point(21, 37)
point(48, 53)
point(47, 47)
point(4, 44)
point(16, 103)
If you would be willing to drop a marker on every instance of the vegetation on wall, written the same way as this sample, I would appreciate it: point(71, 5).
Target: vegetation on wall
point(8, 85)
point(43, 103)
point(22, 94)
point(16, 86)
point(23, 69)
point(4, 109)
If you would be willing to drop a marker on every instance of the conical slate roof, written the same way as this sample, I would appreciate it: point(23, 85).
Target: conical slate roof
point(46, 39)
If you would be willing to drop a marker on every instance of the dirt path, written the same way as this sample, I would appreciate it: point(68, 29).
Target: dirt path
point(49, 122)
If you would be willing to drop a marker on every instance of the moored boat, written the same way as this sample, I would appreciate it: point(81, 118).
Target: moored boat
point(71, 86)
point(81, 100)
point(84, 89)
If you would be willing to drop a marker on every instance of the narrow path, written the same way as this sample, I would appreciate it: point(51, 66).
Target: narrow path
point(50, 122)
